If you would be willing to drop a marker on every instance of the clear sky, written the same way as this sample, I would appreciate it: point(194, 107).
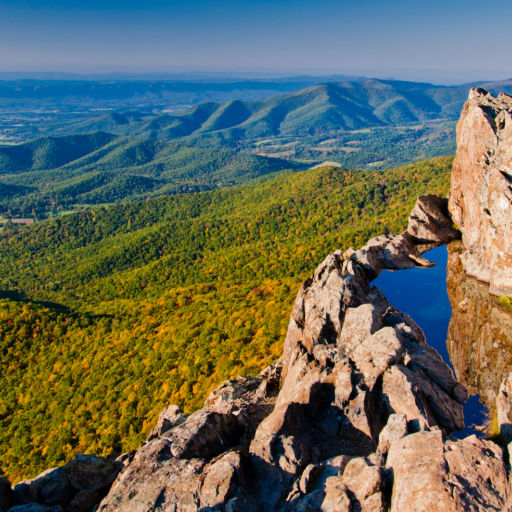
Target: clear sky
point(442, 41)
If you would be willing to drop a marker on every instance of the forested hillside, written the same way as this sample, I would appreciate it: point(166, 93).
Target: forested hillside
point(52, 174)
point(110, 314)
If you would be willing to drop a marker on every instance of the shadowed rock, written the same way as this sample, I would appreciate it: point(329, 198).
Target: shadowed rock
point(76, 487)
point(7, 499)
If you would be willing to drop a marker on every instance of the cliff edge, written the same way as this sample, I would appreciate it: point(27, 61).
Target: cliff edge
point(356, 415)
point(481, 188)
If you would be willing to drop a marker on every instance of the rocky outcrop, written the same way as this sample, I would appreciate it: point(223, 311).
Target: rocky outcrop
point(481, 188)
point(356, 415)
point(76, 487)
point(198, 463)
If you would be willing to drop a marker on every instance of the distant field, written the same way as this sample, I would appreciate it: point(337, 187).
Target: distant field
point(395, 145)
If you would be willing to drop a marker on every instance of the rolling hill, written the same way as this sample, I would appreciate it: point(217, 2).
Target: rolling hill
point(50, 152)
point(59, 172)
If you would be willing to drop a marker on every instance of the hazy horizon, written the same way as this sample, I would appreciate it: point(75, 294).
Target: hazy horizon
point(438, 43)
point(213, 76)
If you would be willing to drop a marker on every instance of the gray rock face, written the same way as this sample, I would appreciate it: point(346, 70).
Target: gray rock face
point(197, 464)
point(430, 475)
point(481, 188)
point(76, 487)
point(350, 360)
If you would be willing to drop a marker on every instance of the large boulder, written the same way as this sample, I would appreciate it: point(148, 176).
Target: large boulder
point(343, 484)
point(429, 221)
point(481, 188)
point(77, 486)
point(430, 475)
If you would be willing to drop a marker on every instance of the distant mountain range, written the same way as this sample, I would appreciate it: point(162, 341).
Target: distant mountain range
point(130, 154)
point(191, 76)
point(160, 91)
point(82, 92)
point(323, 108)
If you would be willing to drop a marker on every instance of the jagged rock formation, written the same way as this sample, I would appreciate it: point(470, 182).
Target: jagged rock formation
point(337, 422)
point(481, 188)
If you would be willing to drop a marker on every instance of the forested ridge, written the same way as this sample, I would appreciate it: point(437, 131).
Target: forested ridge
point(110, 314)
point(56, 173)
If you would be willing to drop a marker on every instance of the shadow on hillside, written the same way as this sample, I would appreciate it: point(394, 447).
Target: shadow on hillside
point(17, 296)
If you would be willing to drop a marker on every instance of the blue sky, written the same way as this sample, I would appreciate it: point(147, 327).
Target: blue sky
point(442, 41)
